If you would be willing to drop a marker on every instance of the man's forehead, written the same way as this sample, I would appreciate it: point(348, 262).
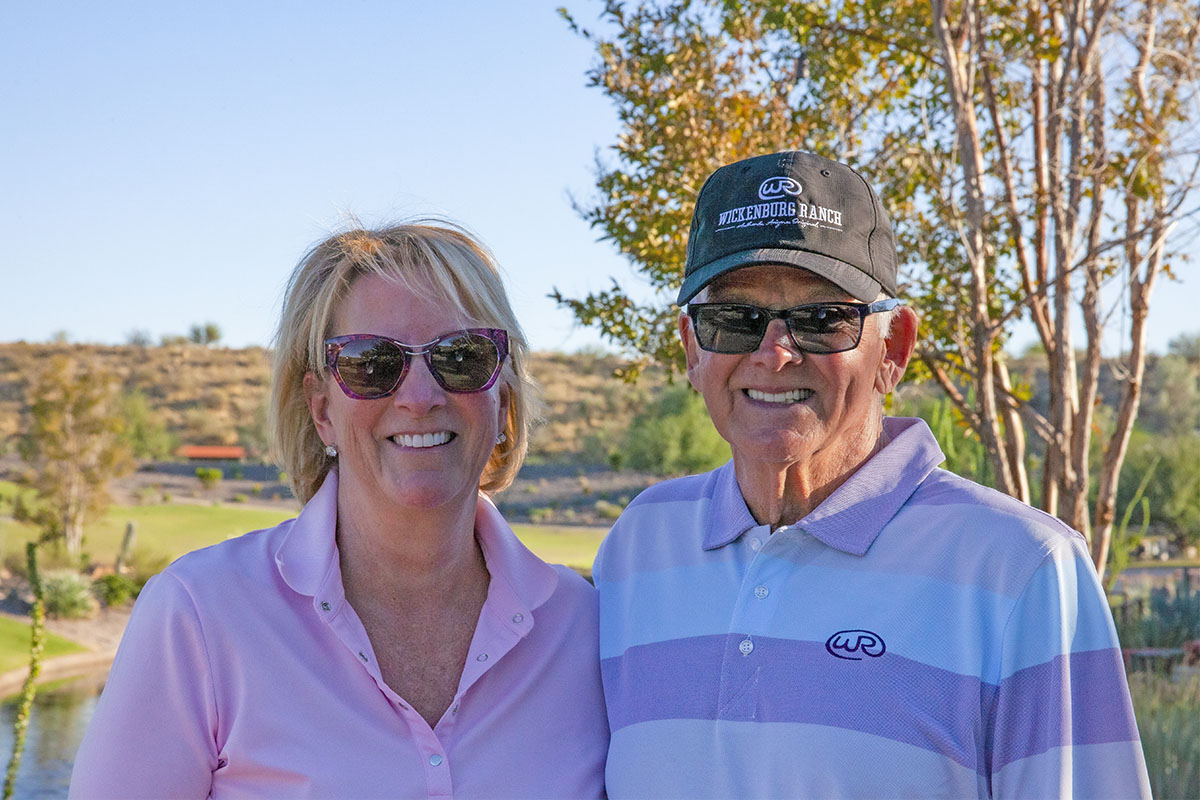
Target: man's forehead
point(768, 277)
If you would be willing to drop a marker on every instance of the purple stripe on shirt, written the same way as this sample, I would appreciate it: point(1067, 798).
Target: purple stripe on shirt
point(1087, 720)
point(799, 682)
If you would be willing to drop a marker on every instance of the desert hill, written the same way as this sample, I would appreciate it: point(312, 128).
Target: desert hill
point(214, 395)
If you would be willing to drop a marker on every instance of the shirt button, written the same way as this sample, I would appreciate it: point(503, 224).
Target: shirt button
point(755, 544)
point(363, 656)
point(518, 618)
point(761, 592)
point(325, 606)
point(435, 760)
point(747, 647)
point(481, 657)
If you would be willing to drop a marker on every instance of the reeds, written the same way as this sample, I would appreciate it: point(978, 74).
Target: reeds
point(1168, 719)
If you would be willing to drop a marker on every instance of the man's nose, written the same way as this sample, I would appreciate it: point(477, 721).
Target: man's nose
point(777, 347)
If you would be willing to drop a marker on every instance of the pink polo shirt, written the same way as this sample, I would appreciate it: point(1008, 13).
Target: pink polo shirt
point(244, 672)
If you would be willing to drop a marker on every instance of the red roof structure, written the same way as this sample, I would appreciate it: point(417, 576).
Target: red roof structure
point(211, 452)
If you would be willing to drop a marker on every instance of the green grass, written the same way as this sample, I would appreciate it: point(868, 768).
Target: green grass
point(575, 547)
point(174, 529)
point(14, 644)
point(171, 530)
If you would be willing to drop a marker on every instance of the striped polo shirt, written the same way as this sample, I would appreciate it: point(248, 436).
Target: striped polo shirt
point(916, 635)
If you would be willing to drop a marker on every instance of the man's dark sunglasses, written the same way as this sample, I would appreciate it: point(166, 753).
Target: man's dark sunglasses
point(368, 366)
point(819, 328)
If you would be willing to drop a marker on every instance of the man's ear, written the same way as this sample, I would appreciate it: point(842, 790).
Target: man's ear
point(316, 396)
point(898, 348)
point(691, 349)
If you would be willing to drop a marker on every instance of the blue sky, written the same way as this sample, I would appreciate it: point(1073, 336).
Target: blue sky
point(166, 163)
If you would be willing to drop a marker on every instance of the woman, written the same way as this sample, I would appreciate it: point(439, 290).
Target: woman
point(395, 639)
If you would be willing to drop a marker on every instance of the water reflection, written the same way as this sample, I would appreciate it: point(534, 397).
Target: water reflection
point(61, 713)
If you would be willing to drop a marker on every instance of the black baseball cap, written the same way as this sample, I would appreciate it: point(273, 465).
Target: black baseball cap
point(793, 209)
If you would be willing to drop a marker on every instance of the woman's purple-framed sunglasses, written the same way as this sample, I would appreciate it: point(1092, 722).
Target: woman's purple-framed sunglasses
point(368, 366)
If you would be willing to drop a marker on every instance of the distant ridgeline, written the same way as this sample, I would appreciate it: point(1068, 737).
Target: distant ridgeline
point(217, 396)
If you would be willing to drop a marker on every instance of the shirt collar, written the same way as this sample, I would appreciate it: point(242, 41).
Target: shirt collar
point(519, 578)
point(728, 515)
point(307, 557)
point(309, 550)
point(853, 516)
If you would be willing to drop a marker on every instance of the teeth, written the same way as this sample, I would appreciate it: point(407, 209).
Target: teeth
point(422, 439)
point(790, 396)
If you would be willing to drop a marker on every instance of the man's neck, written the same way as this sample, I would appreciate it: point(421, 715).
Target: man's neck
point(783, 494)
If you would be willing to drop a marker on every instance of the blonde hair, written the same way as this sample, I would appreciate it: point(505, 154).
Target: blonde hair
point(434, 259)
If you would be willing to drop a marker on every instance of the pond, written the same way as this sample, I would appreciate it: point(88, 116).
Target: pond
point(61, 712)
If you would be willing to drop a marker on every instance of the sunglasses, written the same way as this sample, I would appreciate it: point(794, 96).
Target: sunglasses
point(368, 367)
point(819, 328)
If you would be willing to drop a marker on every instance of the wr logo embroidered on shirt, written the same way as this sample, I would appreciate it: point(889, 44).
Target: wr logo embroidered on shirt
point(853, 645)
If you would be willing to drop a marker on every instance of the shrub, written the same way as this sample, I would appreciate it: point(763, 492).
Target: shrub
point(68, 595)
point(114, 590)
point(239, 498)
point(209, 477)
point(145, 563)
point(147, 495)
point(1164, 621)
point(674, 436)
point(606, 510)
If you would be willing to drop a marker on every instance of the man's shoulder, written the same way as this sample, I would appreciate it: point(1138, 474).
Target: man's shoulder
point(657, 522)
point(673, 502)
point(689, 488)
point(952, 501)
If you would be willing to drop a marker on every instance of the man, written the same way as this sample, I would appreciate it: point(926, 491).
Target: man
point(830, 614)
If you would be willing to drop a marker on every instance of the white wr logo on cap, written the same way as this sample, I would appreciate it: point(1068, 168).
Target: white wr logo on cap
point(776, 188)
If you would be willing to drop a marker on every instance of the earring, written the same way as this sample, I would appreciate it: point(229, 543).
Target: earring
point(501, 439)
point(331, 451)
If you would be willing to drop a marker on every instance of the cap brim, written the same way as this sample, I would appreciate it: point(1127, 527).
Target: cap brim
point(857, 283)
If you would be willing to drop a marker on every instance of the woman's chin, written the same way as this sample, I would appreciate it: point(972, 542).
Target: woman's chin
point(426, 494)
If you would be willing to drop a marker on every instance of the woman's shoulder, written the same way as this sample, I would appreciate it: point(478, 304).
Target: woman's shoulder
point(574, 596)
point(248, 557)
point(574, 584)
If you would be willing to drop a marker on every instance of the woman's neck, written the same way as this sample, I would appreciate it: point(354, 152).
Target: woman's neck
point(387, 549)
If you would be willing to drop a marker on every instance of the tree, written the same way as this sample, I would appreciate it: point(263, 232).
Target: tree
point(1174, 489)
point(673, 436)
point(144, 430)
point(1037, 159)
point(138, 337)
point(74, 446)
point(207, 334)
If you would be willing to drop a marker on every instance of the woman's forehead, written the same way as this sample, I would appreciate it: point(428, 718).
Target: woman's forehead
point(380, 300)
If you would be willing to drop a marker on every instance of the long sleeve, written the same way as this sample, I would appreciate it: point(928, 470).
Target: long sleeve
point(1063, 724)
point(154, 729)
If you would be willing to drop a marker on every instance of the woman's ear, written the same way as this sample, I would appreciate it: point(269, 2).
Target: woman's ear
point(502, 411)
point(316, 396)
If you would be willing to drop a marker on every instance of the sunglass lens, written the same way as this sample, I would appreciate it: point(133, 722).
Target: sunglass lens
point(826, 327)
point(730, 328)
point(370, 367)
point(465, 362)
